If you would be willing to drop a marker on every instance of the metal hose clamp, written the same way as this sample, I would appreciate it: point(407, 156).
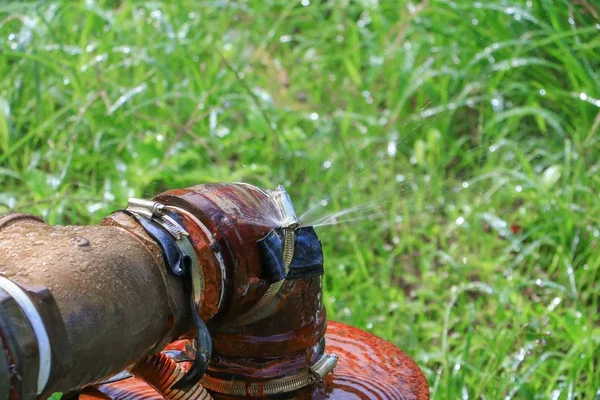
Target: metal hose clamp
point(159, 214)
point(274, 387)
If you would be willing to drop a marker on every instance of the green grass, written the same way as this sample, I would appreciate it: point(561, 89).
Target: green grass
point(474, 125)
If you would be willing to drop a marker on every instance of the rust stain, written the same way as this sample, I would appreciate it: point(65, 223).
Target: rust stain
point(369, 368)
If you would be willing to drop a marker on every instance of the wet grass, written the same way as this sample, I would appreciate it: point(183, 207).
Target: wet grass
point(473, 125)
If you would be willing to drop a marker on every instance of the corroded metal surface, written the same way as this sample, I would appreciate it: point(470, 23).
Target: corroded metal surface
point(108, 283)
point(238, 216)
point(115, 303)
point(369, 368)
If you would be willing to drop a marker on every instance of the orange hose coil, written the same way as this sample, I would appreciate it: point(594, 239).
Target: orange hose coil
point(161, 372)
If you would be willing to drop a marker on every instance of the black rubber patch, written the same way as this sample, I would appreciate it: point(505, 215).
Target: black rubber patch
point(308, 255)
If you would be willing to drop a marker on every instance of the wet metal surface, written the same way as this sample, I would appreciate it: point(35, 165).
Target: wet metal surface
point(107, 283)
point(369, 368)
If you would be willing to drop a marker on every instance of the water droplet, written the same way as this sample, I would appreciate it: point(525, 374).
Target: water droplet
point(542, 92)
point(391, 148)
point(305, 2)
point(518, 188)
point(80, 241)
point(583, 96)
point(555, 302)
point(160, 137)
point(400, 178)
point(571, 21)
point(327, 164)
point(459, 220)
point(465, 185)
point(121, 166)
point(127, 96)
point(496, 104)
point(475, 21)
point(457, 367)
point(222, 131)
point(369, 325)
point(314, 116)
point(407, 45)
point(285, 38)
point(375, 61)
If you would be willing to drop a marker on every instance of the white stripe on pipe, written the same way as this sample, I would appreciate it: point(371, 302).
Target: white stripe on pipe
point(39, 329)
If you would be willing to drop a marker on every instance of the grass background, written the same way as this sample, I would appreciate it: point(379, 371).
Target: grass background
point(466, 131)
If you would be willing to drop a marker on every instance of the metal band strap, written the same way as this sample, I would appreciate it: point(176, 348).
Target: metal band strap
point(35, 319)
point(313, 374)
point(158, 213)
point(260, 310)
point(211, 242)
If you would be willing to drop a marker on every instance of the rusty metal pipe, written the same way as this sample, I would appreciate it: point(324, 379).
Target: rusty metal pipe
point(106, 283)
point(103, 293)
point(107, 301)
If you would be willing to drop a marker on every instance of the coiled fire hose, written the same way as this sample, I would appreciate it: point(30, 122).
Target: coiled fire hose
point(225, 264)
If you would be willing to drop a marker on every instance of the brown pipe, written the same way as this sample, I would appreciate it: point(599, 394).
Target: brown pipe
point(109, 284)
point(107, 287)
point(369, 368)
point(107, 299)
point(239, 215)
